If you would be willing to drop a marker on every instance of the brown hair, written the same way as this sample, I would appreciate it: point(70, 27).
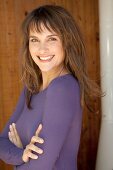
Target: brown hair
point(59, 20)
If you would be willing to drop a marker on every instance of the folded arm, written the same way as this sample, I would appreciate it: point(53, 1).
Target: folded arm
point(9, 153)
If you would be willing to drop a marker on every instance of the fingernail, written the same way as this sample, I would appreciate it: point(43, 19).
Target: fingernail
point(40, 125)
point(36, 157)
point(41, 140)
point(41, 151)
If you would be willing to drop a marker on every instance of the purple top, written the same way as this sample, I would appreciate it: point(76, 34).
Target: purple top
point(58, 108)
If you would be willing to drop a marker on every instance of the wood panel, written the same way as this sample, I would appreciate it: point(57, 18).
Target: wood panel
point(12, 12)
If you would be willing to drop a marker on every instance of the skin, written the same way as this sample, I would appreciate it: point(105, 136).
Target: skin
point(27, 154)
point(45, 44)
point(14, 137)
point(47, 52)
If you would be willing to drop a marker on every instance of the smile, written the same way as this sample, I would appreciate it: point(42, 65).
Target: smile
point(46, 59)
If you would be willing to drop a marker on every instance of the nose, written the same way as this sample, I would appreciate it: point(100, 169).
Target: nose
point(42, 48)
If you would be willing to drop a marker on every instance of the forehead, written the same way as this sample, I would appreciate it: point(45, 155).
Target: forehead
point(41, 30)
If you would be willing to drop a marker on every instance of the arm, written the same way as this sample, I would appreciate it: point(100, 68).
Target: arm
point(9, 153)
point(15, 139)
point(62, 103)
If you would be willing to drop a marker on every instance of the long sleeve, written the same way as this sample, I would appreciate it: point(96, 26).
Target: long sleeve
point(9, 153)
point(62, 103)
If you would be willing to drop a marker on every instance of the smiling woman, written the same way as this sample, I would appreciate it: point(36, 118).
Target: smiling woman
point(46, 50)
point(55, 83)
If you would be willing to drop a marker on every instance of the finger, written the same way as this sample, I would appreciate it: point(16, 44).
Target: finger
point(34, 148)
point(38, 130)
point(15, 131)
point(10, 137)
point(12, 133)
point(31, 155)
point(18, 140)
point(37, 139)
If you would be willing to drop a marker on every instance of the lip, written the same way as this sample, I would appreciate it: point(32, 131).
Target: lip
point(44, 61)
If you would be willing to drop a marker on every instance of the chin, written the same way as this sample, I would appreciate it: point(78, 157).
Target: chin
point(46, 70)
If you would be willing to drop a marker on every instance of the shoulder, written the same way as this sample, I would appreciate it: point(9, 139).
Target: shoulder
point(64, 93)
point(66, 81)
point(67, 84)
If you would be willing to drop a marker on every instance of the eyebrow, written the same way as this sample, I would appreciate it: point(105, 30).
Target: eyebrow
point(33, 36)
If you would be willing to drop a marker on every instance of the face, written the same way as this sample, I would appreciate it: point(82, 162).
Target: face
point(46, 50)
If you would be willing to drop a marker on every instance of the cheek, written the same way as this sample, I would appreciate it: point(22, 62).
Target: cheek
point(32, 53)
point(60, 53)
point(32, 50)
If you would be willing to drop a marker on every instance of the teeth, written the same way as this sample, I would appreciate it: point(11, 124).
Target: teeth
point(46, 58)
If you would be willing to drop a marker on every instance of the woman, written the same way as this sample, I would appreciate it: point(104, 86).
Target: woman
point(55, 83)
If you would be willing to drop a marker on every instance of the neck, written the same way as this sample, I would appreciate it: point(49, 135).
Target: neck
point(47, 77)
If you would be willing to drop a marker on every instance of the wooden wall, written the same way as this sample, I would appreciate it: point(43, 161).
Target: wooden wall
point(12, 12)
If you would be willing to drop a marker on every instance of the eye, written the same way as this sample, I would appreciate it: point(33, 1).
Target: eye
point(52, 39)
point(34, 40)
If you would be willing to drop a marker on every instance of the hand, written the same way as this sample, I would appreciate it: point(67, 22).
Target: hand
point(14, 136)
point(31, 147)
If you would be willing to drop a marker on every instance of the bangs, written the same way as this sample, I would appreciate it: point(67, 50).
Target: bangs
point(38, 26)
point(37, 23)
point(48, 18)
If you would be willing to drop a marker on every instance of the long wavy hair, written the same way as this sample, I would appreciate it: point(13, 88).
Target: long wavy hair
point(59, 20)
